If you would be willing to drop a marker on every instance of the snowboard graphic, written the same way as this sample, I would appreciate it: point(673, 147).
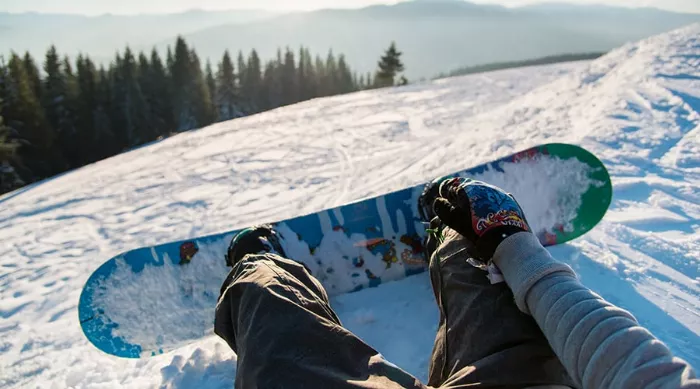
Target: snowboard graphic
point(151, 300)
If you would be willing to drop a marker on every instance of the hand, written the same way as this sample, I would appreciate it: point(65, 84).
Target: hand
point(483, 213)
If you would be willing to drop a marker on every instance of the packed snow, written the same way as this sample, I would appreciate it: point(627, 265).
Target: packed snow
point(177, 303)
point(637, 108)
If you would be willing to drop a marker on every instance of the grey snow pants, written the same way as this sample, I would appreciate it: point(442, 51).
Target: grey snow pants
point(278, 320)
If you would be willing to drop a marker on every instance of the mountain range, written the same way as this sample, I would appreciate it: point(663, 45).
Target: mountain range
point(435, 35)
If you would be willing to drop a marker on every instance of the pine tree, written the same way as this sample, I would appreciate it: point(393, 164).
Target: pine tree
point(86, 78)
point(305, 76)
point(203, 106)
point(54, 89)
point(143, 78)
point(211, 85)
point(9, 179)
point(321, 77)
point(241, 62)
point(95, 136)
point(192, 105)
point(344, 79)
point(33, 74)
point(25, 117)
point(144, 67)
point(104, 138)
point(227, 92)
point(251, 88)
point(169, 59)
point(288, 79)
point(67, 137)
point(7, 147)
point(130, 121)
point(56, 101)
point(269, 88)
point(331, 75)
point(273, 82)
point(4, 81)
point(158, 93)
point(243, 101)
point(181, 78)
point(389, 65)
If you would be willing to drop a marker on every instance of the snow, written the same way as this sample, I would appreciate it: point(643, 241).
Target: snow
point(190, 297)
point(637, 108)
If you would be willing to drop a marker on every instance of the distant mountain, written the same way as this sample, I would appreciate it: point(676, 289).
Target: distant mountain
point(573, 7)
point(438, 35)
point(101, 36)
point(435, 35)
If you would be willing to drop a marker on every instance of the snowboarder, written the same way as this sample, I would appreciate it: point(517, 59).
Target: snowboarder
point(541, 328)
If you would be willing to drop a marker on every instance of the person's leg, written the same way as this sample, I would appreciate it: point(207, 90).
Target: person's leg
point(278, 320)
point(483, 339)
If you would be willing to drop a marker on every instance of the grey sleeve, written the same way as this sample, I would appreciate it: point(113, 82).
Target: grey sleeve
point(600, 345)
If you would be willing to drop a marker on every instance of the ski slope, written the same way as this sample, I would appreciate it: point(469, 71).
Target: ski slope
point(637, 108)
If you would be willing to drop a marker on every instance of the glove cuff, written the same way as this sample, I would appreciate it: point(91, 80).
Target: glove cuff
point(523, 261)
point(486, 245)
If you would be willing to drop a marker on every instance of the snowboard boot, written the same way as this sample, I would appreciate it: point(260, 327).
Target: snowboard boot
point(254, 240)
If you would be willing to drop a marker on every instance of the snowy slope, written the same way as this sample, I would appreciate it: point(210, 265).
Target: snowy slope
point(638, 108)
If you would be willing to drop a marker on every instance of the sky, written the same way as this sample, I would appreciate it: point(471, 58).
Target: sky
point(96, 7)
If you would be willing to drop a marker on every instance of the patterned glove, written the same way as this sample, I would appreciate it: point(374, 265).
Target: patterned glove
point(483, 213)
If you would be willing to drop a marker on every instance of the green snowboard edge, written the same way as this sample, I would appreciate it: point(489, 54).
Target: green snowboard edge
point(595, 201)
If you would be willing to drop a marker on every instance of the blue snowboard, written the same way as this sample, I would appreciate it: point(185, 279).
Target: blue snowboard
point(151, 300)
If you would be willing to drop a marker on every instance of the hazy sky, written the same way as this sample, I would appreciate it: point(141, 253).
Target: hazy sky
point(93, 7)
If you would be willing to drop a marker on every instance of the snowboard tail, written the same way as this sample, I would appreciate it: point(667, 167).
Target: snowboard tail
point(154, 299)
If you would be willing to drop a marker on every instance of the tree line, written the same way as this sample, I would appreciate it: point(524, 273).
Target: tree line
point(69, 114)
point(518, 64)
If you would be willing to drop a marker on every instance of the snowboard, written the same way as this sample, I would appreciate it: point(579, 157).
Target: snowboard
point(151, 300)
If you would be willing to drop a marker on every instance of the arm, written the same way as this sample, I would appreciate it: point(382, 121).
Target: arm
point(601, 346)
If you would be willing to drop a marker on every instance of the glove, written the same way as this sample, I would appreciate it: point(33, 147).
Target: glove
point(482, 213)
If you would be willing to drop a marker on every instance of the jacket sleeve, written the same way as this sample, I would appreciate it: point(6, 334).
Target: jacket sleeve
point(601, 345)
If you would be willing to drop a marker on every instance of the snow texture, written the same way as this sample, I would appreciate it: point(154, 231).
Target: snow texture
point(189, 293)
point(637, 108)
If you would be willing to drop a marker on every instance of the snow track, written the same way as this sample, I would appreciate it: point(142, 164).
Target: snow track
point(638, 108)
